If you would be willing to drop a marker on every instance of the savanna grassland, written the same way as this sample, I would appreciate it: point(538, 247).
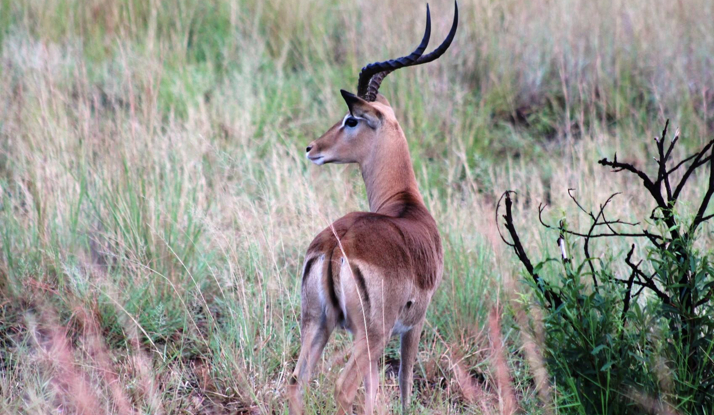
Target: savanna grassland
point(156, 204)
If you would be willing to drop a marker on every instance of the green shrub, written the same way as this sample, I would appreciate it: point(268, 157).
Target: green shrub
point(639, 336)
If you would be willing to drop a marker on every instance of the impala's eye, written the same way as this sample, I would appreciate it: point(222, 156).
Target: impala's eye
point(351, 122)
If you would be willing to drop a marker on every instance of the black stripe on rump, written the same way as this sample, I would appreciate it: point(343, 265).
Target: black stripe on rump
point(362, 284)
point(308, 265)
point(331, 284)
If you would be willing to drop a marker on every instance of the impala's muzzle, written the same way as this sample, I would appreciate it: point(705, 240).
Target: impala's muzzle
point(312, 153)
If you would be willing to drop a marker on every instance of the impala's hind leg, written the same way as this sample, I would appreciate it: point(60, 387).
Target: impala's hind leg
point(361, 365)
point(317, 322)
point(371, 384)
point(314, 338)
point(409, 349)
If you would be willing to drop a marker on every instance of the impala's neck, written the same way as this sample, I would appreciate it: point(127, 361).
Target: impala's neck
point(389, 176)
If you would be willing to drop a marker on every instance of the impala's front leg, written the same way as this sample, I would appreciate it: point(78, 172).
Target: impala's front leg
point(409, 349)
point(371, 385)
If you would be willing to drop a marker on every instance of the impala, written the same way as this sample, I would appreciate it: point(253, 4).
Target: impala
point(372, 273)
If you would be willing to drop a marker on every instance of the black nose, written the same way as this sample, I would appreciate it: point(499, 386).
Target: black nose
point(307, 150)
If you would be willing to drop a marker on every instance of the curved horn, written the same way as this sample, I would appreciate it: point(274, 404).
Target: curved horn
point(372, 69)
point(376, 80)
point(436, 53)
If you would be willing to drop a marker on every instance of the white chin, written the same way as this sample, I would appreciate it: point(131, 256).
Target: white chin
point(317, 160)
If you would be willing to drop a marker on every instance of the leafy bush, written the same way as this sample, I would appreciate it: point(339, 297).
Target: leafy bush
point(640, 336)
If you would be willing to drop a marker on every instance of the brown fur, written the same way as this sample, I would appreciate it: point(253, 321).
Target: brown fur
point(373, 273)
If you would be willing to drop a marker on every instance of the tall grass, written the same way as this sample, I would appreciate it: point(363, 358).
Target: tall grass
point(155, 204)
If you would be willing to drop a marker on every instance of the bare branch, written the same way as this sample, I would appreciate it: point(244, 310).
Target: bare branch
point(706, 218)
point(645, 234)
point(628, 293)
point(552, 298)
point(616, 222)
point(648, 281)
point(628, 167)
point(691, 168)
point(575, 200)
point(706, 298)
point(653, 188)
point(681, 163)
point(498, 206)
point(662, 175)
point(653, 239)
point(699, 218)
point(671, 145)
point(609, 223)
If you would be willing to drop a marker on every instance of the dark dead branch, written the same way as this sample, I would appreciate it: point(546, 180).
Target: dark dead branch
point(552, 297)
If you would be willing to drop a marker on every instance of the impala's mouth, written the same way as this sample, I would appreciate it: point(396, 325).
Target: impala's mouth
point(316, 159)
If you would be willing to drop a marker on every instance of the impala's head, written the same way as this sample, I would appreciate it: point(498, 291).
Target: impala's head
point(354, 138)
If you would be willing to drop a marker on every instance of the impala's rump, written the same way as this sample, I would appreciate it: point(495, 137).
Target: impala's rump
point(365, 262)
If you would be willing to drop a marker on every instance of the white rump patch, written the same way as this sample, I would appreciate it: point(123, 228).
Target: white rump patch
point(345, 273)
point(320, 285)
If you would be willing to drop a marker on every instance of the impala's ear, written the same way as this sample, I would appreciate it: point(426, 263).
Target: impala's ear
point(361, 108)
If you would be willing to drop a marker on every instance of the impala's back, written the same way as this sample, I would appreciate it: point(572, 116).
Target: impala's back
point(372, 273)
